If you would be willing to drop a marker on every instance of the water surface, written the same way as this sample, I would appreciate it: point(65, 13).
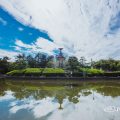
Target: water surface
point(35, 101)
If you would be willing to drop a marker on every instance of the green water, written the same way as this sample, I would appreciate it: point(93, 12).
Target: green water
point(36, 101)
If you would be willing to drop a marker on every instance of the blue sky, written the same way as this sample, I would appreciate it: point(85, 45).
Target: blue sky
point(11, 30)
point(83, 28)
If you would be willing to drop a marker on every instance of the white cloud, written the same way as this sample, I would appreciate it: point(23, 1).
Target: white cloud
point(45, 44)
point(21, 44)
point(79, 26)
point(40, 45)
point(9, 54)
point(17, 48)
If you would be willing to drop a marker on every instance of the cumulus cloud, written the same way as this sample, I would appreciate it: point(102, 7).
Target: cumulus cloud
point(82, 27)
point(40, 45)
point(9, 54)
point(21, 44)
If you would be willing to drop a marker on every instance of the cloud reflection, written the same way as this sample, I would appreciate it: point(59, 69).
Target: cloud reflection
point(39, 108)
point(48, 107)
point(8, 96)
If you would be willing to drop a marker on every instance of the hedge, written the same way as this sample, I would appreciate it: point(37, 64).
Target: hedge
point(36, 72)
point(57, 72)
point(91, 71)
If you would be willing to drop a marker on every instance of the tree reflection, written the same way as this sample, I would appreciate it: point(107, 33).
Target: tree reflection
point(59, 93)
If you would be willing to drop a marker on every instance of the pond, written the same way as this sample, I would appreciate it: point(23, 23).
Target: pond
point(27, 100)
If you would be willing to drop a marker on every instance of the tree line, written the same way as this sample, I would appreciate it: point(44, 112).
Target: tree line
point(23, 61)
point(41, 60)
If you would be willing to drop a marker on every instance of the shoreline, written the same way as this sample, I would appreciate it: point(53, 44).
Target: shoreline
point(58, 78)
point(60, 81)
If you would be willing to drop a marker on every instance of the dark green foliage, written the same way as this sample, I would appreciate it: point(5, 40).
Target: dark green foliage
point(4, 65)
point(108, 65)
point(21, 61)
point(72, 64)
point(31, 61)
point(41, 60)
point(82, 61)
point(42, 64)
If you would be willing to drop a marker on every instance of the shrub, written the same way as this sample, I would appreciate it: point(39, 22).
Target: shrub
point(33, 72)
point(92, 71)
point(37, 72)
point(16, 72)
point(53, 70)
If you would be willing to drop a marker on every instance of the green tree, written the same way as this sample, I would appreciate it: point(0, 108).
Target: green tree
point(72, 64)
point(108, 65)
point(31, 61)
point(4, 65)
point(21, 61)
point(82, 61)
point(41, 60)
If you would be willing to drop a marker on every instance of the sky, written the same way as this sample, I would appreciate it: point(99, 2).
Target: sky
point(82, 27)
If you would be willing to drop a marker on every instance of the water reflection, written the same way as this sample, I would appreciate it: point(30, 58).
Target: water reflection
point(50, 102)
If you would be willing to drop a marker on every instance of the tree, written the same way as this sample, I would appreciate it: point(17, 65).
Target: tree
point(21, 61)
point(118, 66)
point(49, 58)
point(50, 62)
point(31, 61)
point(108, 65)
point(41, 60)
point(72, 64)
point(82, 61)
point(4, 65)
